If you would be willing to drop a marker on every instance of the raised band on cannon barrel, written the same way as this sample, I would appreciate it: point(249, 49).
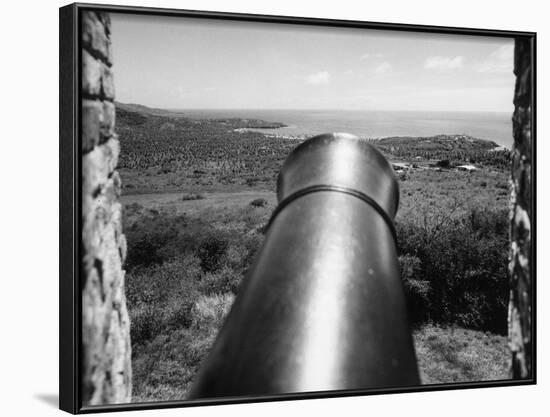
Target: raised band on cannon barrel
point(322, 307)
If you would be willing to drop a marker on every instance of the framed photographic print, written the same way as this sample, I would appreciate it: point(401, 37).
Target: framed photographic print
point(257, 208)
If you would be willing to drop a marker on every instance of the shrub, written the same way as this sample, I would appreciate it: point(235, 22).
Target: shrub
point(211, 251)
point(165, 366)
point(444, 163)
point(455, 271)
point(259, 202)
point(155, 237)
point(252, 245)
point(144, 251)
point(145, 323)
point(251, 181)
point(151, 236)
point(417, 291)
point(191, 196)
point(223, 281)
point(161, 297)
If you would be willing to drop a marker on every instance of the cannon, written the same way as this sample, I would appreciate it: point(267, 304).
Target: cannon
point(322, 307)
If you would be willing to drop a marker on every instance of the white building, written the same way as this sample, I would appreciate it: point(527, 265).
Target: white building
point(400, 166)
point(469, 168)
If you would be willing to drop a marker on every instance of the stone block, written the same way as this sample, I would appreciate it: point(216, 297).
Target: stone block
point(107, 126)
point(95, 36)
point(111, 151)
point(91, 121)
point(117, 183)
point(92, 71)
point(107, 83)
point(105, 19)
point(95, 171)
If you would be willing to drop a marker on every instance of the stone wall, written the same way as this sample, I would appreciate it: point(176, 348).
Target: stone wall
point(520, 268)
point(106, 349)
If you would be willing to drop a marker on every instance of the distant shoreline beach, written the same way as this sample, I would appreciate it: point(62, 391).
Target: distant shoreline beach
point(491, 126)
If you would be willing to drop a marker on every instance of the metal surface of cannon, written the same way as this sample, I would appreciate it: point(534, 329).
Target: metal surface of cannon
point(322, 307)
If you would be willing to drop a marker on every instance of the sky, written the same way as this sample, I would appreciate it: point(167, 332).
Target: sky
point(190, 63)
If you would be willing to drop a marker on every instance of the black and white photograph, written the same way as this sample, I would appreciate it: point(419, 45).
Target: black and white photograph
point(276, 207)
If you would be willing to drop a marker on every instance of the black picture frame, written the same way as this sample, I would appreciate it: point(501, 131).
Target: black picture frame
point(70, 396)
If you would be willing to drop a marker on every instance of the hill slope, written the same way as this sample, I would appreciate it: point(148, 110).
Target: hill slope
point(448, 143)
point(164, 149)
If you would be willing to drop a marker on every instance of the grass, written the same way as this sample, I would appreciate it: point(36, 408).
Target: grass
point(454, 354)
point(435, 193)
point(181, 281)
point(163, 368)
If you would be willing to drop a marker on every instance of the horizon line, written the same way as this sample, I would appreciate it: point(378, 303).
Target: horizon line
point(182, 109)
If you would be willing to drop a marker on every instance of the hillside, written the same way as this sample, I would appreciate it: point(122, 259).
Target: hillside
point(130, 113)
point(457, 149)
point(144, 110)
point(197, 196)
point(162, 150)
point(449, 143)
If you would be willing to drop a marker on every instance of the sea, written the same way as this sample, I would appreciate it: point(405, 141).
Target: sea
point(494, 126)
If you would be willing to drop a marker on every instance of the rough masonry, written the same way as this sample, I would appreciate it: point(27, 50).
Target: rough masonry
point(520, 268)
point(106, 349)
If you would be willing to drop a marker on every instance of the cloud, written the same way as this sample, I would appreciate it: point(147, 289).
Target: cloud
point(383, 68)
point(318, 78)
point(444, 62)
point(500, 60)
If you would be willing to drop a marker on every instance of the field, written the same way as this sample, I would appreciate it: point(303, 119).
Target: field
point(197, 196)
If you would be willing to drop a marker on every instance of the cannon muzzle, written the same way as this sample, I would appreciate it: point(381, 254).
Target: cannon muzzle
point(322, 307)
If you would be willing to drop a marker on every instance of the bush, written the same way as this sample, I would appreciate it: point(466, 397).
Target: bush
point(455, 272)
point(190, 196)
point(144, 251)
point(211, 251)
point(444, 163)
point(226, 280)
point(151, 236)
point(417, 291)
point(155, 237)
point(145, 323)
point(165, 366)
point(161, 297)
point(259, 202)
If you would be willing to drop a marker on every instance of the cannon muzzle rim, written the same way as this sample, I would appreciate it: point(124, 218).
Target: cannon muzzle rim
point(340, 160)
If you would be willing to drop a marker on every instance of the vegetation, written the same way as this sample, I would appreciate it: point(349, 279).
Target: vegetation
point(259, 202)
point(186, 259)
point(191, 196)
point(447, 355)
point(163, 151)
point(452, 231)
point(456, 149)
point(182, 274)
point(160, 153)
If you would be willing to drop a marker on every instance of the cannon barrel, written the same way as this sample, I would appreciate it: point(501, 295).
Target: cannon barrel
point(322, 307)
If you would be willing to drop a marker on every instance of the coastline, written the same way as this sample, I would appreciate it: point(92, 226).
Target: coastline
point(494, 126)
point(305, 136)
